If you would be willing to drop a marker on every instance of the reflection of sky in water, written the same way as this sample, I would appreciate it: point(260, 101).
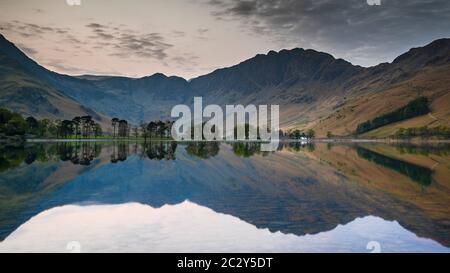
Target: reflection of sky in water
point(321, 198)
point(188, 227)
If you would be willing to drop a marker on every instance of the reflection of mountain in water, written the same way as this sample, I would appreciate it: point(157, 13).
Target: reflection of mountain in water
point(188, 227)
point(417, 173)
point(292, 190)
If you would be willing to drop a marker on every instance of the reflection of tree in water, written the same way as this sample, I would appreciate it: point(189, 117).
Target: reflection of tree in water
point(31, 156)
point(298, 146)
point(11, 157)
point(67, 151)
point(160, 150)
point(203, 149)
point(439, 149)
point(120, 152)
point(79, 154)
point(246, 149)
point(417, 173)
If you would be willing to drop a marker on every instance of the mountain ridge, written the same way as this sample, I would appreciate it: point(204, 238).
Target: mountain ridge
point(309, 85)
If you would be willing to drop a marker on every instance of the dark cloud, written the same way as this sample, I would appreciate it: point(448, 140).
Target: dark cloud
point(349, 28)
point(125, 43)
point(178, 33)
point(72, 39)
point(35, 31)
point(96, 26)
point(202, 34)
point(202, 31)
point(112, 40)
point(28, 30)
point(28, 50)
point(186, 60)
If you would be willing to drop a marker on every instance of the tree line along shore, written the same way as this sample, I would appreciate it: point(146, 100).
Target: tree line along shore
point(15, 127)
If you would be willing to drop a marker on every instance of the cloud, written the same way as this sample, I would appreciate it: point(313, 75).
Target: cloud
point(202, 31)
point(28, 50)
point(125, 43)
point(178, 33)
point(350, 28)
point(96, 26)
point(40, 11)
point(186, 60)
point(117, 43)
point(30, 30)
point(60, 66)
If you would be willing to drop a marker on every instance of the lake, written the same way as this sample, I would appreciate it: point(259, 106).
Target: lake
point(224, 197)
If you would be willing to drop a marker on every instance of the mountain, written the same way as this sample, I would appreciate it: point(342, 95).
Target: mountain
point(285, 69)
point(143, 99)
point(313, 89)
point(27, 88)
point(420, 72)
point(318, 91)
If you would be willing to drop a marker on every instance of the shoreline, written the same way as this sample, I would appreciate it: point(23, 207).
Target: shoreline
point(317, 140)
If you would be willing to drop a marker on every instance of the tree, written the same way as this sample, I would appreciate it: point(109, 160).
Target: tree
point(86, 126)
point(423, 132)
point(417, 107)
point(329, 134)
point(160, 128)
point(32, 125)
point(98, 130)
point(400, 133)
point(54, 128)
point(76, 122)
point(168, 127)
point(136, 132)
point(123, 128)
point(44, 126)
point(151, 128)
point(92, 127)
point(5, 116)
point(144, 130)
point(12, 124)
point(66, 128)
point(311, 133)
point(114, 123)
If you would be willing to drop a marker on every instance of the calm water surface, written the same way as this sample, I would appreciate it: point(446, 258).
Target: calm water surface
point(224, 197)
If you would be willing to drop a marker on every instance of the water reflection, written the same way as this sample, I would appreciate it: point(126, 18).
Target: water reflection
point(188, 227)
point(440, 149)
point(421, 175)
point(300, 189)
point(160, 150)
point(83, 153)
point(203, 150)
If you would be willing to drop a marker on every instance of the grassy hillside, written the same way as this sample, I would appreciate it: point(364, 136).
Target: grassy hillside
point(432, 82)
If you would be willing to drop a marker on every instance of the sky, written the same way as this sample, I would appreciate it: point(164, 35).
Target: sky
point(189, 38)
